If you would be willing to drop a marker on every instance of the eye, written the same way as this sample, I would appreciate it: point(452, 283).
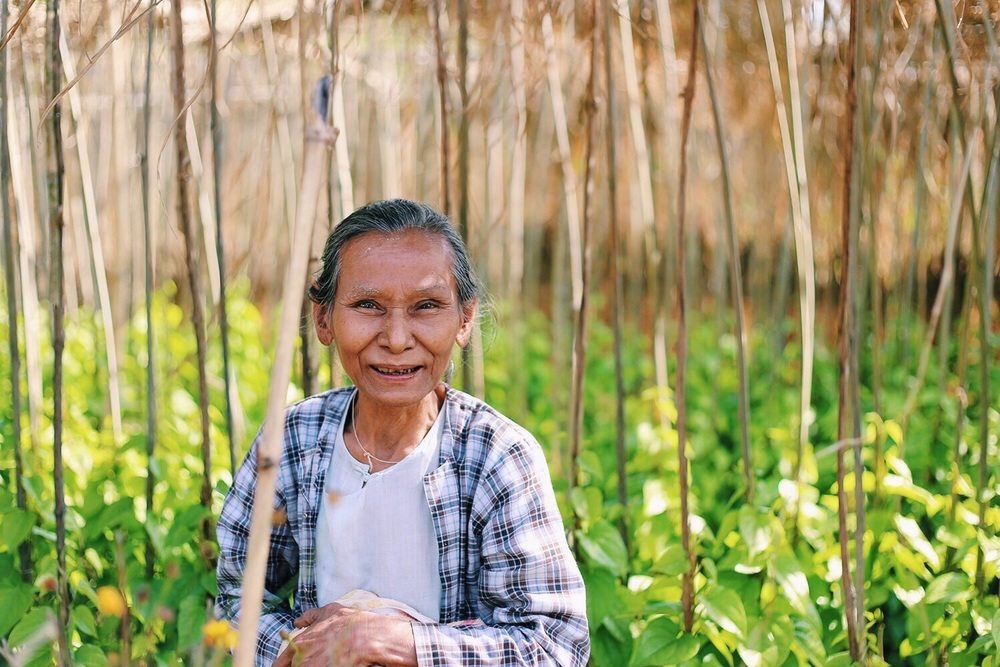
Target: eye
point(428, 305)
point(366, 304)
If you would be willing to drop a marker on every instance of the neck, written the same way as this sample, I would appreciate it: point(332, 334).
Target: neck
point(391, 434)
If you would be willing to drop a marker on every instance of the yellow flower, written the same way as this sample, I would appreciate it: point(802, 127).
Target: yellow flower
point(110, 602)
point(219, 634)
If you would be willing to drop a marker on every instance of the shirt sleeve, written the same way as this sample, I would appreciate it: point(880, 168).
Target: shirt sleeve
point(531, 597)
point(233, 532)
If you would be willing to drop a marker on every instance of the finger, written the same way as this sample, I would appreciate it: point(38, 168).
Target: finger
point(306, 619)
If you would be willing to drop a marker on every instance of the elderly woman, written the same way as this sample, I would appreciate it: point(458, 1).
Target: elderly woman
point(402, 494)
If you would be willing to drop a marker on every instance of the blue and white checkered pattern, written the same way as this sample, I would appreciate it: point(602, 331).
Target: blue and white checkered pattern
point(503, 553)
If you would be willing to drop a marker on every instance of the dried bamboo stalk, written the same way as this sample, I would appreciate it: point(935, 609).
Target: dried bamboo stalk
point(23, 549)
point(468, 379)
point(437, 9)
point(846, 341)
point(148, 287)
point(989, 211)
point(795, 175)
point(27, 214)
point(614, 251)
point(581, 319)
point(573, 223)
point(947, 279)
point(665, 32)
point(735, 277)
point(687, 584)
point(269, 449)
point(57, 299)
point(215, 123)
point(96, 245)
point(191, 253)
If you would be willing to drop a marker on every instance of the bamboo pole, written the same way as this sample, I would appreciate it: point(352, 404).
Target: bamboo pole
point(516, 202)
point(269, 451)
point(191, 253)
point(28, 211)
point(57, 299)
point(795, 176)
point(96, 245)
point(468, 379)
point(573, 223)
point(581, 315)
point(687, 590)
point(444, 108)
point(735, 277)
point(215, 128)
point(983, 491)
point(947, 279)
point(614, 252)
point(148, 286)
point(847, 332)
point(24, 549)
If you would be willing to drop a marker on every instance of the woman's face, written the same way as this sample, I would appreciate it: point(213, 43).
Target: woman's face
point(396, 315)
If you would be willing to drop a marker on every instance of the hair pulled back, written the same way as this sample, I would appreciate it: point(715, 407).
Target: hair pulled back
point(393, 216)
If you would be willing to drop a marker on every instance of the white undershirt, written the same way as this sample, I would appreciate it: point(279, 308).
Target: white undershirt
point(375, 532)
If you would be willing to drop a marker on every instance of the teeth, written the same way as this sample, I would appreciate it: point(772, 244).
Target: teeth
point(389, 371)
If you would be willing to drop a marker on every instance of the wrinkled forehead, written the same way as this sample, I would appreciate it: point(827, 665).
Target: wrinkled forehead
point(418, 241)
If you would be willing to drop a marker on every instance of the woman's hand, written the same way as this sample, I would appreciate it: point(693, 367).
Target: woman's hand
point(339, 636)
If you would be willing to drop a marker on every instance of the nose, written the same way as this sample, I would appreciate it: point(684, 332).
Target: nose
point(396, 333)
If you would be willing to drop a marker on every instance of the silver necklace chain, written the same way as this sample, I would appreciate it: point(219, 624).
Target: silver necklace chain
point(368, 455)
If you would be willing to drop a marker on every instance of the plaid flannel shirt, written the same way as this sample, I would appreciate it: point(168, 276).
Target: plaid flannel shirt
point(503, 557)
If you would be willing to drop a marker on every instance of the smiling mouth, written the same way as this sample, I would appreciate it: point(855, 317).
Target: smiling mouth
point(396, 371)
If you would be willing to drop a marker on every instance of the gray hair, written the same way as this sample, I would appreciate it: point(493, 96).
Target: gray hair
point(393, 216)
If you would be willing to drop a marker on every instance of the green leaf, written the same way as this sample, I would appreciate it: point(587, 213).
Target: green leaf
point(190, 617)
point(83, 619)
point(16, 527)
point(672, 562)
point(725, 608)
point(756, 529)
point(604, 546)
point(995, 629)
point(16, 601)
point(840, 660)
point(949, 587)
point(90, 656)
point(760, 649)
point(663, 644)
point(789, 575)
point(30, 625)
point(586, 502)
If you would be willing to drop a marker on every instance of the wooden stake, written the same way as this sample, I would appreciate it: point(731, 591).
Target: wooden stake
point(687, 586)
point(320, 136)
point(191, 252)
point(24, 549)
point(57, 297)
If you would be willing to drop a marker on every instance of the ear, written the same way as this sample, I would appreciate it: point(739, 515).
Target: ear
point(321, 320)
point(468, 322)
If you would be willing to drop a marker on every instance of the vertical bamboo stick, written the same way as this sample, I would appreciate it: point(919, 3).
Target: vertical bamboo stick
point(468, 382)
point(220, 255)
point(26, 204)
point(617, 293)
point(795, 174)
point(665, 32)
point(269, 452)
point(438, 8)
point(96, 245)
point(57, 298)
point(687, 590)
point(847, 329)
point(580, 328)
point(148, 286)
point(516, 201)
point(566, 161)
point(735, 277)
point(24, 549)
point(989, 211)
point(191, 253)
